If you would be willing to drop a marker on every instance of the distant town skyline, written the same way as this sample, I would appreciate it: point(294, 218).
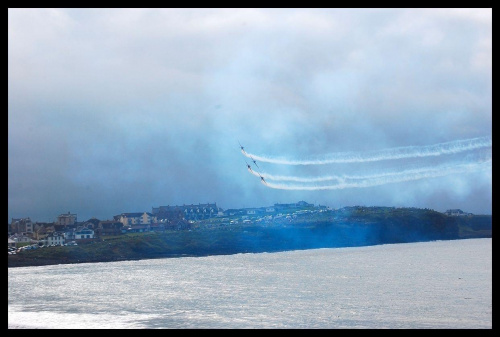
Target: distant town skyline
point(450, 211)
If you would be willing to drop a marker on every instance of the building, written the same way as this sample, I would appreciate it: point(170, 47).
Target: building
point(456, 212)
point(168, 214)
point(189, 212)
point(54, 238)
point(20, 238)
point(66, 219)
point(41, 229)
point(137, 218)
point(109, 227)
point(139, 228)
point(92, 223)
point(21, 225)
point(300, 204)
point(84, 233)
point(69, 234)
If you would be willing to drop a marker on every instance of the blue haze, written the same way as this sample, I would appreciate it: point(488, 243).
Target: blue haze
point(436, 285)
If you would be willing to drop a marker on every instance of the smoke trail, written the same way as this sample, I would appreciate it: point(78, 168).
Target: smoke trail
point(253, 172)
point(341, 178)
point(386, 178)
point(439, 149)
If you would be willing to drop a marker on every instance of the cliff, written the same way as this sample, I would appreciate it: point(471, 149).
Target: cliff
point(348, 227)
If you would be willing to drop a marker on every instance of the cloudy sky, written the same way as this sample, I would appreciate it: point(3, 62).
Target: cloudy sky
point(122, 110)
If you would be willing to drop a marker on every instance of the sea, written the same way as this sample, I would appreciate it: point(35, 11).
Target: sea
point(422, 285)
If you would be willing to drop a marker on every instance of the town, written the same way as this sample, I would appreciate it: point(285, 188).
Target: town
point(23, 234)
point(67, 230)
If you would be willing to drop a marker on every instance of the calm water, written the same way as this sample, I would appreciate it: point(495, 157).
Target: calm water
point(443, 284)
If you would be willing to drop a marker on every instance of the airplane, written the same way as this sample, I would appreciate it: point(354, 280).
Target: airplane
point(242, 148)
point(248, 166)
point(254, 162)
point(262, 180)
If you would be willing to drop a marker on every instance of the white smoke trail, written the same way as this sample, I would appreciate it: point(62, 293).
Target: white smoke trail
point(343, 177)
point(439, 149)
point(253, 172)
point(298, 179)
point(387, 178)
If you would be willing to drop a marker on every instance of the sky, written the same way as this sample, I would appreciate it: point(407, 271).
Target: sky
point(113, 111)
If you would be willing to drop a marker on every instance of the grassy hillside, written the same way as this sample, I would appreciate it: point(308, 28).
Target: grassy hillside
point(354, 226)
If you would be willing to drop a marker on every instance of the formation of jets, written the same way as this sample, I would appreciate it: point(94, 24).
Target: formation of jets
point(250, 167)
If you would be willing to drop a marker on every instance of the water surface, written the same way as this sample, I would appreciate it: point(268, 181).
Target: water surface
point(441, 284)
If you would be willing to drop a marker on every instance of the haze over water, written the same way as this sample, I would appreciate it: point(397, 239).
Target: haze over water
point(441, 284)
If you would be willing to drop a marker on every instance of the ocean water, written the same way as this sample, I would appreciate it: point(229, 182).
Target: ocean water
point(434, 285)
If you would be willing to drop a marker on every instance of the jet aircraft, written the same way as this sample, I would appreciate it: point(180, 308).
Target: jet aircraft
point(242, 148)
point(254, 162)
point(262, 180)
point(248, 166)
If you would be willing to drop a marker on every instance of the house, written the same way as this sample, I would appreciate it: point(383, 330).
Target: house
point(54, 238)
point(69, 234)
point(20, 238)
point(92, 223)
point(21, 225)
point(40, 231)
point(139, 228)
point(168, 214)
point(62, 228)
point(456, 212)
point(109, 227)
point(12, 243)
point(84, 233)
point(66, 219)
point(189, 212)
point(136, 218)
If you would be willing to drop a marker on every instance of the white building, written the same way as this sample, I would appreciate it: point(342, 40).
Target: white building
point(20, 238)
point(54, 239)
point(84, 233)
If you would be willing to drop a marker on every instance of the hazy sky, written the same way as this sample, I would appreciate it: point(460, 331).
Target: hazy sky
point(122, 110)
